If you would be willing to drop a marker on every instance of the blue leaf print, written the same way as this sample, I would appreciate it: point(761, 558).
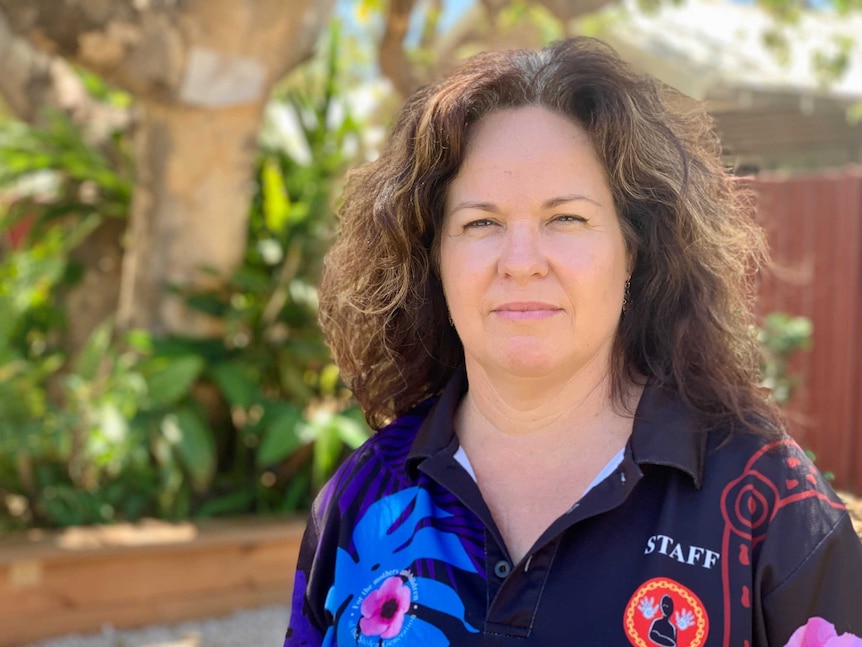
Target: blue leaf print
point(388, 539)
point(438, 596)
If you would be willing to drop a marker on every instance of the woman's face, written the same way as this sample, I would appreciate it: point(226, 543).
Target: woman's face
point(532, 257)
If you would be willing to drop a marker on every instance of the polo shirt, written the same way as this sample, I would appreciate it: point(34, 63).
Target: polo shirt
point(695, 538)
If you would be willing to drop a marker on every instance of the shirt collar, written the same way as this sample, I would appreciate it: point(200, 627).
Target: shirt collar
point(437, 431)
point(666, 431)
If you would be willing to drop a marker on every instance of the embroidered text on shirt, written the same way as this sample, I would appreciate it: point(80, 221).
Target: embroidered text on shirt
point(692, 555)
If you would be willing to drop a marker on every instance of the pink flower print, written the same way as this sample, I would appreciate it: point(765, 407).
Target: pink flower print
point(383, 610)
point(818, 632)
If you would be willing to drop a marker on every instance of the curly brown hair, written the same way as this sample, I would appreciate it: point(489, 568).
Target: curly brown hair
point(688, 226)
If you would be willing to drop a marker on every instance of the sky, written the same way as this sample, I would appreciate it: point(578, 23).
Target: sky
point(452, 11)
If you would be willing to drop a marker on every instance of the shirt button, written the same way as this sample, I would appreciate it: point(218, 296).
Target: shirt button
point(502, 569)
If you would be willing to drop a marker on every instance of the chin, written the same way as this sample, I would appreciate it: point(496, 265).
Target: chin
point(530, 362)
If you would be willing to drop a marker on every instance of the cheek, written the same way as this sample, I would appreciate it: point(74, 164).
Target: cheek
point(446, 264)
point(451, 275)
point(457, 261)
point(600, 271)
point(582, 261)
point(465, 280)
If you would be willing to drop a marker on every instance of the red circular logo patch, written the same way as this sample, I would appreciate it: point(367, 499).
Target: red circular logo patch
point(663, 612)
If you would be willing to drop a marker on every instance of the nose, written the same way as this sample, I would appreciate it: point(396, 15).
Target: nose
point(521, 255)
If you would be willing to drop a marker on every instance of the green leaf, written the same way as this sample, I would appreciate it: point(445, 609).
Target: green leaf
point(329, 379)
point(211, 304)
point(291, 377)
point(177, 347)
point(192, 441)
point(233, 503)
point(171, 380)
point(95, 352)
point(252, 280)
point(327, 449)
point(351, 432)
point(8, 320)
point(140, 341)
point(237, 388)
point(276, 203)
point(281, 437)
point(296, 492)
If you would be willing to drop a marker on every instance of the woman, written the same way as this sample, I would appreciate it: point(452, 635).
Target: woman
point(541, 294)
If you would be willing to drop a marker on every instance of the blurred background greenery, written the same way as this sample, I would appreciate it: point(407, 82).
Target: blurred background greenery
point(108, 415)
point(171, 426)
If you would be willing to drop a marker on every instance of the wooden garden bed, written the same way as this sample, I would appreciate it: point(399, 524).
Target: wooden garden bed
point(131, 575)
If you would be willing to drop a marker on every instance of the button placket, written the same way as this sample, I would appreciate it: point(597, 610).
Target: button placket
point(502, 569)
point(513, 609)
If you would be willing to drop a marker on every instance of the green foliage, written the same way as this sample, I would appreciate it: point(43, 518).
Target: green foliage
point(254, 421)
point(102, 91)
point(787, 11)
point(843, 6)
point(778, 42)
point(56, 173)
point(831, 66)
point(781, 337)
point(59, 187)
point(828, 475)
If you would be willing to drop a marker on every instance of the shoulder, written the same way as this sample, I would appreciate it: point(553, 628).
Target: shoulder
point(377, 467)
point(777, 462)
point(784, 518)
point(787, 542)
point(773, 472)
point(773, 495)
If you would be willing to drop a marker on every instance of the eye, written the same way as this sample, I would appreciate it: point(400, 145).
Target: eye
point(477, 224)
point(566, 217)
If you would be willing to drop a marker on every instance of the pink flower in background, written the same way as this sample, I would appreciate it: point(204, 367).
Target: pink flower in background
point(817, 632)
point(383, 610)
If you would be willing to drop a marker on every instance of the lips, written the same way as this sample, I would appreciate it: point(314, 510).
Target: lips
point(526, 310)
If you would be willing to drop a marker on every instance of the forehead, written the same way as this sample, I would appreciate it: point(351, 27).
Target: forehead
point(535, 122)
point(529, 147)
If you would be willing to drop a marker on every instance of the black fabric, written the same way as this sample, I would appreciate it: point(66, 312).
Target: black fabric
point(695, 539)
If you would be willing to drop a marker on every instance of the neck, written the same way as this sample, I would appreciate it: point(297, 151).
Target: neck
point(521, 407)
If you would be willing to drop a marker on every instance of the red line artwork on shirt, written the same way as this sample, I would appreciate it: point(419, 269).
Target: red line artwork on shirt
point(748, 504)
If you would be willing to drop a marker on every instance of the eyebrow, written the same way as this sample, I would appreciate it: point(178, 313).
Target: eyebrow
point(548, 204)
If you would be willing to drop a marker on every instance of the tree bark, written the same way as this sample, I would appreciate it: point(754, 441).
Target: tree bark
point(26, 82)
point(393, 58)
point(478, 25)
point(189, 211)
point(201, 72)
point(566, 10)
point(33, 81)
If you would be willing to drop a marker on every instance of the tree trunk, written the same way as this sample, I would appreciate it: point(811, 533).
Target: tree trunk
point(567, 10)
point(393, 59)
point(94, 298)
point(188, 220)
point(201, 72)
point(32, 81)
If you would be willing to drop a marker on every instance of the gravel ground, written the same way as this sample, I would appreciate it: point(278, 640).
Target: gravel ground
point(263, 627)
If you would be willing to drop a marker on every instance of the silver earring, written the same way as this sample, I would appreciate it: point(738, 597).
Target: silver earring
point(627, 295)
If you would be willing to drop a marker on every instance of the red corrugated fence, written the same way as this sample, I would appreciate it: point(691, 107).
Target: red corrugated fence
point(814, 224)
